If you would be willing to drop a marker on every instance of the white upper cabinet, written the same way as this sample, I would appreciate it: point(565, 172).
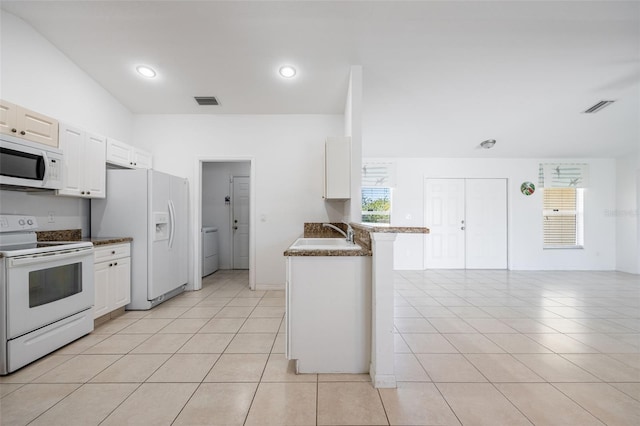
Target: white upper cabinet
point(95, 148)
point(26, 124)
point(118, 153)
point(337, 168)
point(142, 159)
point(84, 171)
point(124, 155)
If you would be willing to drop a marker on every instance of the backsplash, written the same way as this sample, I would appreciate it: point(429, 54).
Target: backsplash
point(51, 212)
point(63, 235)
point(316, 230)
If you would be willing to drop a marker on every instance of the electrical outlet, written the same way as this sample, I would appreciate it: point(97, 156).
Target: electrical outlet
point(52, 217)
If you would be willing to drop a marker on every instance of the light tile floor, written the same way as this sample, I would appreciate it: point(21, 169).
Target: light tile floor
point(472, 348)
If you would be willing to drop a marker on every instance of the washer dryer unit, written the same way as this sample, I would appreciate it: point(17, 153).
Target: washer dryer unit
point(210, 260)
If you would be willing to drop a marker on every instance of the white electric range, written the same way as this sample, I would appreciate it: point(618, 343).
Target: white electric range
point(46, 292)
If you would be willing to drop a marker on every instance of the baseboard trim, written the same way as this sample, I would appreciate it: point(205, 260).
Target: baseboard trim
point(384, 381)
point(267, 287)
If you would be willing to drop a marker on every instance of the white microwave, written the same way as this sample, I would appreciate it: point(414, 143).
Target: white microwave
point(29, 166)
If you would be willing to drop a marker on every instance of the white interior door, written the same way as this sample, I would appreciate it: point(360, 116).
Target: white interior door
point(444, 208)
point(240, 224)
point(467, 219)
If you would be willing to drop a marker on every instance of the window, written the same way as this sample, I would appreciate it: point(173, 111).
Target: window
point(376, 205)
point(563, 217)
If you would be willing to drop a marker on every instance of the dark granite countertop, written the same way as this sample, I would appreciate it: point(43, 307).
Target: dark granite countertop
point(103, 241)
point(383, 228)
point(332, 252)
point(76, 235)
point(362, 237)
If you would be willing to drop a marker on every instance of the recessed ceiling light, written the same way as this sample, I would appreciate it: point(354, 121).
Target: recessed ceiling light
point(287, 71)
point(146, 71)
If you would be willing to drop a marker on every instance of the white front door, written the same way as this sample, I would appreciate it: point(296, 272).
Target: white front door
point(467, 219)
point(240, 224)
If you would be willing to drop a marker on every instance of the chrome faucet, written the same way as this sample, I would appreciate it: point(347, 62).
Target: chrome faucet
point(348, 235)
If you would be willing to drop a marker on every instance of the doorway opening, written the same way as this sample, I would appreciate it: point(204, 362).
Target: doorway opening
point(224, 216)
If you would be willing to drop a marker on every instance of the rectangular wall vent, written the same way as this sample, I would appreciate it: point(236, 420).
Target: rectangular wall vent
point(206, 100)
point(597, 107)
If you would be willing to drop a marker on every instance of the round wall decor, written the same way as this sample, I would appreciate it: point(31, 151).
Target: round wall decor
point(527, 188)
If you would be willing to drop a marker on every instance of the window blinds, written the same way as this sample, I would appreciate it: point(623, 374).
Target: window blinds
point(563, 175)
point(560, 217)
point(378, 174)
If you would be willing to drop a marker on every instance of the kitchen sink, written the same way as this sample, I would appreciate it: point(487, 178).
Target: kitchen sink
point(323, 244)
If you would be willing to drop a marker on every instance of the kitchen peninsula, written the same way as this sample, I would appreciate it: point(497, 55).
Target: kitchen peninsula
point(340, 301)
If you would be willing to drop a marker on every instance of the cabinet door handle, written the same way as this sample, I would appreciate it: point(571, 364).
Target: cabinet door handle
point(14, 130)
point(113, 252)
point(462, 228)
point(115, 264)
point(88, 192)
point(22, 132)
point(82, 193)
point(111, 264)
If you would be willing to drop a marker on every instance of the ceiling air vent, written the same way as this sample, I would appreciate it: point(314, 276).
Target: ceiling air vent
point(206, 100)
point(597, 107)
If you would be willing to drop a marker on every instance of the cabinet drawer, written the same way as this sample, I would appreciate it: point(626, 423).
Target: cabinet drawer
point(113, 251)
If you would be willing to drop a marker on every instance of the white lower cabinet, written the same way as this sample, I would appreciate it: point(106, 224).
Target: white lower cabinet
point(112, 278)
point(328, 313)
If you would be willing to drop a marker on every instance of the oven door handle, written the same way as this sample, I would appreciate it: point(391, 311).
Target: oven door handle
point(30, 260)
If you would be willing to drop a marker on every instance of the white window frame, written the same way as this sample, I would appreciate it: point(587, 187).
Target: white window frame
point(381, 213)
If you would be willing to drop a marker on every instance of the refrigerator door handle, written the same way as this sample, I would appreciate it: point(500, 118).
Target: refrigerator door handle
point(172, 223)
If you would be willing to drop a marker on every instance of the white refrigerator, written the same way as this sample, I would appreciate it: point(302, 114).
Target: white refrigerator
point(152, 208)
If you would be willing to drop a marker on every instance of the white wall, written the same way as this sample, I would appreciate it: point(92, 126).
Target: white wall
point(524, 216)
point(353, 128)
point(36, 75)
point(215, 186)
point(626, 215)
point(288, 154)
point(638, 209)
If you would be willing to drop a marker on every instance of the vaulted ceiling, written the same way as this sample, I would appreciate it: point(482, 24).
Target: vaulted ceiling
point(439, 77)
